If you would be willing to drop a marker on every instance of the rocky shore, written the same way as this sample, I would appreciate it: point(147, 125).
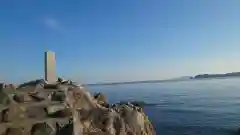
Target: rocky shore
point(63, 108)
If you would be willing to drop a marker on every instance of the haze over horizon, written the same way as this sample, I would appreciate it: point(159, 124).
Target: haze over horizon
point(101, 41)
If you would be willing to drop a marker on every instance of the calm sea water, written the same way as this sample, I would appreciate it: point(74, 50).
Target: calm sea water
point(199, 107)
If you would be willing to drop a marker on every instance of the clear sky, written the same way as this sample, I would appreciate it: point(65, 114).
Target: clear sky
point(119, 40)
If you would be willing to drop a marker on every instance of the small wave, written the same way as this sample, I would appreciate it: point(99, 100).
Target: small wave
point(140, 103)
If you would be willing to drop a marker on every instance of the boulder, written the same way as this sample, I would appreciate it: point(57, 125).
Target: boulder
point(10, 86)
point(39, 96)
point(4, 98)
point(100, 98)
point(60, 80)
point(21, 112)
point(58, 111)
point(65, 108)
point(65, 129)
point(29, 84)
point(115, 120)
point(35, 112)
point(2, 86)
point(50, 86)
point(42, 129)
point(14, 113)
point(54, 108)
point(61, 113)
point(15, 131)
point(58, 96)
point(22, 97)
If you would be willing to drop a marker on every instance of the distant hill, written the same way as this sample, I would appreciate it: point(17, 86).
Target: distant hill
point(202, 76)
point(183, 78)
point(145, 81)
point(130, 82)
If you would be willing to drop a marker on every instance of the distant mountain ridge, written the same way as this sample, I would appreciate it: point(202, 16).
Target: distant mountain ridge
point(202, 76)
point(144, 81)
point(183, 78)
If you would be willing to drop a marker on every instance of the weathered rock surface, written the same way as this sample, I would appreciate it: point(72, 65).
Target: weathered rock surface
point(38, 108)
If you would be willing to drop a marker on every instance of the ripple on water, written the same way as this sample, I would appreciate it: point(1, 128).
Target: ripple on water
point(202, 107)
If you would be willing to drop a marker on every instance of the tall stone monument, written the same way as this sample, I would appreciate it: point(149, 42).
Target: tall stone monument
point(50, 67)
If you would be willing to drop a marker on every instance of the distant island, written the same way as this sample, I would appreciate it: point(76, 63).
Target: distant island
point(183, 78)
point(136, 82)
point(203, 76)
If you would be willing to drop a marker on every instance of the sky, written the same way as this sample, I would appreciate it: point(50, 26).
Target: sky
point(119, 40)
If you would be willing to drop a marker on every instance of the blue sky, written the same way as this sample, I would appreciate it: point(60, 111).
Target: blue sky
point(110, 40)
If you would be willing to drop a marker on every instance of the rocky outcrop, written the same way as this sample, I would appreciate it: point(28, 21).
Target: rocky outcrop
point(101, 99)
point(38, 108)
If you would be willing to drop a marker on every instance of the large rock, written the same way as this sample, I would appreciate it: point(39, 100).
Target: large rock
point(15, 131)
point(22, 97)
point(21, 112)
point(37, 108)
point(115, 120)
point(4, 98)
point(57, 96)
point(42, 129)
point(51, 109)
point(101, 99)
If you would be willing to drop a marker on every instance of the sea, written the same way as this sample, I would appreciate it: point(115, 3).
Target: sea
point(193, 107)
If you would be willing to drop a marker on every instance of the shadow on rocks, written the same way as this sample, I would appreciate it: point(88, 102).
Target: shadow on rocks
point(41, 129)
point(66, 130)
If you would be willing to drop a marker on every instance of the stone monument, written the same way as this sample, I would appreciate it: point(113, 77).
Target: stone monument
point(50, 67)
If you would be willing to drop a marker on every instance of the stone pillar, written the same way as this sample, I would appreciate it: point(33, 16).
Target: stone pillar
point(50, 67)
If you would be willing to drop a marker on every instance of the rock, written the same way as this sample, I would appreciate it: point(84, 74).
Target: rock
point(50, 86)
point(41, 129)
point(29, 84)
point(58, 96)
point(60, 80)
point(65, 129)
point(63, 124)
point(65, 108)
point(35, 112)
point(22, 97)
point(39, 96)
point(2, 86)
point(100, 98)
point(51, 109)
point(14, 113)
point(17, 113)
point(10, 86)
point(61, 113)
point(4, 98)
point(39, 87)
point(15, 131)
point(140, 104)
point(126, 120)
